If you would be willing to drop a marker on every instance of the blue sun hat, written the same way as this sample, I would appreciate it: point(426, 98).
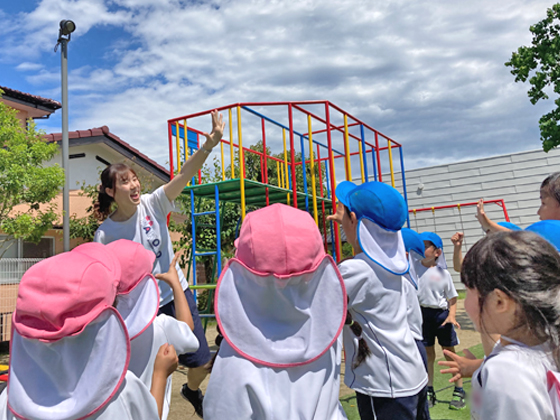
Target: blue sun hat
point(509, 225)
point(381, 212)
point(549, 230)
point(415, 247)
point(436, 240)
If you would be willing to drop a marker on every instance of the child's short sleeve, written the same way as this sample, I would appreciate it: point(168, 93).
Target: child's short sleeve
point(99, 236)
point(450, 291)
point(158, 203)
point(178, 334)
point(355, 275)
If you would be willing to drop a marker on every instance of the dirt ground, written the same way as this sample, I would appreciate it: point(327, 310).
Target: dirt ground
point(182, 410)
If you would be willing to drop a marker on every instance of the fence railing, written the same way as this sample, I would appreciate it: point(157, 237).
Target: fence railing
point(12, 269)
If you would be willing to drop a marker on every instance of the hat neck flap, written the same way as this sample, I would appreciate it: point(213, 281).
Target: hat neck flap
point(382, 246)
point(281, 321)
point(413, 259)
point(73, 377)
point(140, 306)
point(441, 263)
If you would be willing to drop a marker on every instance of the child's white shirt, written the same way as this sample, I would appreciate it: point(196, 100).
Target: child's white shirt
point(144, 349)
point(395, 368)
point(148, 226)
point(413, 311)
point(240, 389)
point(132, 401)
point(435, 287)
point(511, 384)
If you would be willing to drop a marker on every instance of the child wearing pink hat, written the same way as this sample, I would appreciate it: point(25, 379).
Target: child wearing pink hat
point(280, 305)
point(70, 350)
point(138, 304)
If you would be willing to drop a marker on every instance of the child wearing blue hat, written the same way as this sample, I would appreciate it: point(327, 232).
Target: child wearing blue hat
point(438, 300)
point(388, 382)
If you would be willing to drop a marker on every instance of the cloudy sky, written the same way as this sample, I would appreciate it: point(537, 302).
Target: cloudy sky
point(428, 73)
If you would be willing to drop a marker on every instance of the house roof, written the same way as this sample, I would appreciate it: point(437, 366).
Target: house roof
point(27, 98)
point(103, 135)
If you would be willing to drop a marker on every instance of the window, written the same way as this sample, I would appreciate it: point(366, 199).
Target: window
point(17, 248)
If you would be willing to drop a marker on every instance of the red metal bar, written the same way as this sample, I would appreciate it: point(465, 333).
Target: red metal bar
point(264, 167)
point(449, 206)
point(505, 211)
point(198, 145)
point(335, 157)
point(292, 154)
point(333, 183)
point(378, 157)
point(170, 135)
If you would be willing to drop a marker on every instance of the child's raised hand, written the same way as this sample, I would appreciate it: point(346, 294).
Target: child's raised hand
point(457, 239)
point(458, 366)
point(339, 215)
point(481, 215)
point(218, 126)
point(171, 277)
point(166, 360)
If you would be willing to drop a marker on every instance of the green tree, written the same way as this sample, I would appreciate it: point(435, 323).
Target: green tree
point(24, 180)
point(540, 64)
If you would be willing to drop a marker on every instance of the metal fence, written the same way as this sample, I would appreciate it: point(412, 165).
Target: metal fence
point(11, 272)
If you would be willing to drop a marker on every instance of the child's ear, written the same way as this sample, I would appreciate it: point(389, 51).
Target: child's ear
point(353, 218)
point(438, 253)
point(502, 302)
point(110, 192)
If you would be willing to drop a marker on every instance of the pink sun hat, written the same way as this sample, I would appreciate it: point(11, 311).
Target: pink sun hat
point(64, 326)
point(137, 290)
point(280, 301)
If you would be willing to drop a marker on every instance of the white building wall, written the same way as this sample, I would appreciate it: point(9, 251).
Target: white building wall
point(515, 178)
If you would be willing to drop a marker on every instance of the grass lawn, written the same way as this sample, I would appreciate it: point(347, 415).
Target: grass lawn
point(444, 390)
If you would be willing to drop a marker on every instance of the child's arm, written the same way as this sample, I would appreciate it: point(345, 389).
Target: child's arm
point(487, 224)
point(460, 367)
point(165, 364)
point(174, 187)
point(457, 240)
point(182, 310)
point(452, 310)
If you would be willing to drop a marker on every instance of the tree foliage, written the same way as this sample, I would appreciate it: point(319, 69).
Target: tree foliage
point(540, 64)
point(24, 180)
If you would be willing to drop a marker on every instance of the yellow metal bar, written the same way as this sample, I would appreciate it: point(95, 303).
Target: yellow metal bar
point(278, 173)
point(347, 150)
point(223, 165)
point(362, 162)
point(186, 143)
point(231, 150)
point(310, 135)
point(391, 163)
point(178, 143)
point(286, 164)
point(241, 164)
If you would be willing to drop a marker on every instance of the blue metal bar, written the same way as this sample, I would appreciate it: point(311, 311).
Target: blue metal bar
point(252, 111)
point(218, 231)
point(204, 213)
point(193, 234)
point(374, 164)
point(364, 154)
point(404, 186)
point(191, 135)
point(304, 172)
point(205, 254)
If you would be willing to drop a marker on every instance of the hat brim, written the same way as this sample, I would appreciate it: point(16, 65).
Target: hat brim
point(281, 321)
point(73, 377)
point(343, 191)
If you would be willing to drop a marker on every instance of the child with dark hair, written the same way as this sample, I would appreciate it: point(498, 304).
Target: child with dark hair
point(388, 382)
point(142, 218)
point(549, 209)
point(513, 289)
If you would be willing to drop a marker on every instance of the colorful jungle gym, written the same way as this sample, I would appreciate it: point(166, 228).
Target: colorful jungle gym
point(315, 139)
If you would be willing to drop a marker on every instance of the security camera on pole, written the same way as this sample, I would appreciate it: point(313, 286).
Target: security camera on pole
point(66, 28)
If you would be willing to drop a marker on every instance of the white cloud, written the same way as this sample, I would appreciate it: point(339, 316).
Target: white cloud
point(428, 73)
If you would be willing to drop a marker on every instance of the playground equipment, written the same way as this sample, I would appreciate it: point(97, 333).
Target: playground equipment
point(331, 142)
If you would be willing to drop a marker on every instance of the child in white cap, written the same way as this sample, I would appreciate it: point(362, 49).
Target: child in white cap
point(70, 350)
point(280, 305)
point(138, 303)
point(388, 383)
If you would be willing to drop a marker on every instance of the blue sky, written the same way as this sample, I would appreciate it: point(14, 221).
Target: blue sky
point(428, 73)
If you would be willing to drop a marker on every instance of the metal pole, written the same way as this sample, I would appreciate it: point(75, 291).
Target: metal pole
point(65, 159)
